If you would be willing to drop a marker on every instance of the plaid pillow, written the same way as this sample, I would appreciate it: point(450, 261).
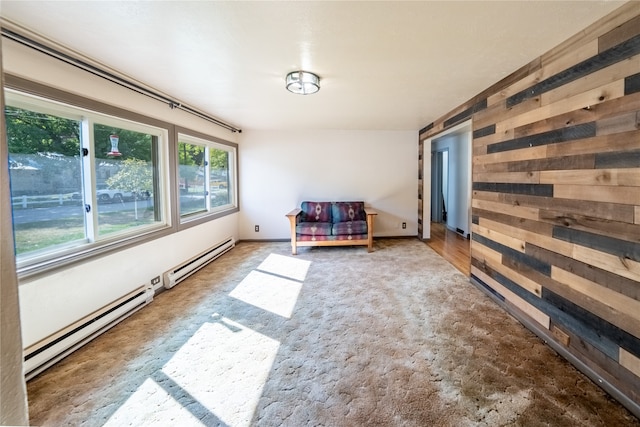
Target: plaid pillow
point(316, 211)
point(348, 211)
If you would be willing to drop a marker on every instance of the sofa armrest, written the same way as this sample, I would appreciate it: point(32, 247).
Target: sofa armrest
point(294, 213)
point(293, 219)
point(371, 214)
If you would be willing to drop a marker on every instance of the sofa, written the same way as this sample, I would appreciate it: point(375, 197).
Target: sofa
point(331, 224)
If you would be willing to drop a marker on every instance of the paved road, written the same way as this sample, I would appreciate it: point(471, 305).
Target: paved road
point(37, 214)
point(22, 216)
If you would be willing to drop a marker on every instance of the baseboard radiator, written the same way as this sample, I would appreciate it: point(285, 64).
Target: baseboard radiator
point(55, 347)
point(190, 266)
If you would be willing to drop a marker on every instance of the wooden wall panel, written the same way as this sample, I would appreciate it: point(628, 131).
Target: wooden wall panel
point(630, 362)
point(619, 34)
point(556, 195)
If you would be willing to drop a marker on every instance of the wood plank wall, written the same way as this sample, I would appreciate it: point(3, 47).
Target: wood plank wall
point(556, 194)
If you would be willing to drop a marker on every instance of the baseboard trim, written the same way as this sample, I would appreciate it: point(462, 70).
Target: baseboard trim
point(546, 336)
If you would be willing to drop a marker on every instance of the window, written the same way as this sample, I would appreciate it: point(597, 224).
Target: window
point(125, 180)
point(206, 175)
point(45, 168)
point(80, 179)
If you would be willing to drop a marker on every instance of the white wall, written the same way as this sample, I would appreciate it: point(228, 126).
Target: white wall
point(280, 169)
point(25, 62)
point(52, 302)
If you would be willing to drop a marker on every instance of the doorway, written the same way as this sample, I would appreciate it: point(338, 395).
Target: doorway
point(439, 185)
point(447, 194)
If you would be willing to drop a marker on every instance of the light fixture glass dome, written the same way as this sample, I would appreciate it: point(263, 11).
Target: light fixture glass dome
point(303, 82)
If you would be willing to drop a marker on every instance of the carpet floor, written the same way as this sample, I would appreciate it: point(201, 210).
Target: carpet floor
point(330, 337)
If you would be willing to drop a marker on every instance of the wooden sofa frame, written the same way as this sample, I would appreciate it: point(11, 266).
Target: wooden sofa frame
point(295, 243)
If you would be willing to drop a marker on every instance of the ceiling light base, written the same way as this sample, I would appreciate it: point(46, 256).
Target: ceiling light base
point(302, 82)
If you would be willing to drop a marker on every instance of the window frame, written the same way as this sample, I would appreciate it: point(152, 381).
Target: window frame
point(196, 218)
point(161, 163)
point(168, 179)
point(87, 119)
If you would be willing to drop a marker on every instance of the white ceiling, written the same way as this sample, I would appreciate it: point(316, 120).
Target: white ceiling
point(383, 65)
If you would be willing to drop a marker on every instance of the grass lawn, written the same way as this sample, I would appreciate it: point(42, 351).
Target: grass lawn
point(39, 235)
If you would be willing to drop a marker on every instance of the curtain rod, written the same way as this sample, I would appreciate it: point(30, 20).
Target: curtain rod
point(54, 53)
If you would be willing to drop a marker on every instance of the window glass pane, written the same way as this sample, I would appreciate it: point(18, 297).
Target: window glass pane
point(46, 180)
point(219, 178)
point(125, 178)
point(191, 176)
point(75, 184)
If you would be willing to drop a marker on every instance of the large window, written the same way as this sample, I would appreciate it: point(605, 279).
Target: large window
point(80, 179)
point(206, 176)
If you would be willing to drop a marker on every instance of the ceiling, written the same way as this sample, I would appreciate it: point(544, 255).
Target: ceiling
point(383, 65)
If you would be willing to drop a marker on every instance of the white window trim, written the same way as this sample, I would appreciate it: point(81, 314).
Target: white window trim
point(67, 104)
point(93, 243)
point(183, 137)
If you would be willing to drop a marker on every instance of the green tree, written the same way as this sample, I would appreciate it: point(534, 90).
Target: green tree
point(219, 160)
point(190, 154)
point(29, 132)
point(134, 176)
point(191, 158)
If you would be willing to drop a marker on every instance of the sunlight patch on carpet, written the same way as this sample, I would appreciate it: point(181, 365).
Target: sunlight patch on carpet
point(285, 266)
point(152, 405)
point(268, 292)
point(224, 367)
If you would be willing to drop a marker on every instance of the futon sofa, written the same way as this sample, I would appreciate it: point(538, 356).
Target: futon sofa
point(331, 224)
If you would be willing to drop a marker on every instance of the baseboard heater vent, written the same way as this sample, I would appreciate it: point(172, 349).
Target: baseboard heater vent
point(55, 347)
point(190, 266)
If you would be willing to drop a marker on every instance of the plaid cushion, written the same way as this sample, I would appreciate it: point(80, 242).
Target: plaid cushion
point(315, 212)
point(348, 211)
point(314, 228)
point(349, 228)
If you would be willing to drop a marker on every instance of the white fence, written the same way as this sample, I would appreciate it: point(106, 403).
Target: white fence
point(25, 202)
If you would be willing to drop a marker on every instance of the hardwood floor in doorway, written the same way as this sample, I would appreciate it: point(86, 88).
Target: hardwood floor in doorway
point(451, 246)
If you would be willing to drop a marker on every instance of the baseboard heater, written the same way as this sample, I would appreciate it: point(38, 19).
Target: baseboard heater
point(55, 347)
point(190, 266)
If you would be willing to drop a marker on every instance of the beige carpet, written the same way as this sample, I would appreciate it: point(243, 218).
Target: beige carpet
point(331, 337)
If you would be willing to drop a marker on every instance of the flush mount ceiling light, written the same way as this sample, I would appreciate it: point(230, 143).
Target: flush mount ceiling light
point(303, 82)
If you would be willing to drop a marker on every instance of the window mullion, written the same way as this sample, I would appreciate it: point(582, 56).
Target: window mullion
point(232, 178)
point(88, 180)
point(207, 178)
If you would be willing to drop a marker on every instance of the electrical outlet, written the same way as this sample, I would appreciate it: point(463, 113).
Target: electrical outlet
point(404, 225)
point(155, 280)
point(257, 228)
